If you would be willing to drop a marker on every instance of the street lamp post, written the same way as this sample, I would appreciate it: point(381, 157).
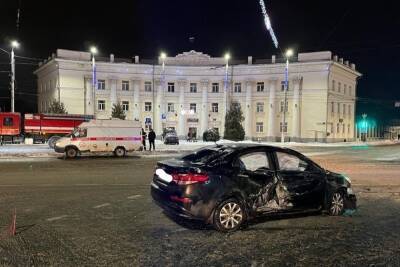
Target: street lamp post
point(14, 44)
point(163, 56)
point(365, 126)
point(93, 51)
point(227, 58)
point(288, 54)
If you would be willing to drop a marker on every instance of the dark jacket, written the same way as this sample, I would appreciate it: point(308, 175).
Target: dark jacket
point(152, 136)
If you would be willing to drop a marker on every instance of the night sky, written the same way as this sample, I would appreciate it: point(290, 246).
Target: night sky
point(364, 32)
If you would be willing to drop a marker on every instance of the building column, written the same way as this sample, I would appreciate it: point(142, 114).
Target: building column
point(296, 110)
point(136, 99)
point(181, 109)
point(113, 93)
point(157, 108)
point(204, 107)
point(248, 114)
point(271, 108)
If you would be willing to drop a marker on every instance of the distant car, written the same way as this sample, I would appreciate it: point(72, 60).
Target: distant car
point(227, 185)
point(171, 138)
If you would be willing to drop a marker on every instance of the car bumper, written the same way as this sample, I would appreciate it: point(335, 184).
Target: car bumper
point(59, 149)
point(163, 200)
point(350, 202)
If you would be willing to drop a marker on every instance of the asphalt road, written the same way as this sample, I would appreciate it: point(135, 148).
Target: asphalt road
point(98, 211)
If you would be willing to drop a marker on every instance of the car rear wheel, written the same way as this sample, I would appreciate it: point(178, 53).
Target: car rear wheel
point(336, 207)
point(229, 216)
point(71, 152)
point(119, 152)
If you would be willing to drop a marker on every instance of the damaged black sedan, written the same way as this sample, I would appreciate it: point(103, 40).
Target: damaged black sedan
point(227, 185)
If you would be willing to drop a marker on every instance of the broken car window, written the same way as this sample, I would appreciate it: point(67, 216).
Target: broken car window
point(254, 161)
point(288, 162)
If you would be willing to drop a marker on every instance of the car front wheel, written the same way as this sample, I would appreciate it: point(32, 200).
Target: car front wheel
point(229, 216)
point(336, 206)
point(71, 152)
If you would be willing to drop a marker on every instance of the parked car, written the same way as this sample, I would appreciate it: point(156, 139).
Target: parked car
point(227, 185)
point(171, 138)
point(211, 135)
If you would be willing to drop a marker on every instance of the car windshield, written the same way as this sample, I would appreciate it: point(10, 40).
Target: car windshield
point(206, 155)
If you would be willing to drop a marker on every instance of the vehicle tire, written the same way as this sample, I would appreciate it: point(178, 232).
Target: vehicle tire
point(336, 205)
point(71, 152)
point(229, 215)
point(119, 152)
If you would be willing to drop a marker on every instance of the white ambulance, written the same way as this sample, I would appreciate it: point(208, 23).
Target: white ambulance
point(99, 136)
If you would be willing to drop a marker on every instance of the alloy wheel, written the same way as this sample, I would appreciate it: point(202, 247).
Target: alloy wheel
point(337, 204)
point(231, 215)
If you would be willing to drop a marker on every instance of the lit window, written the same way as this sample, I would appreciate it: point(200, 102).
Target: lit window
point(349, 107)
point(283, 83)
point(125, 85)
point(193, 87)
point(101, 84)
point(345, 89)
point(101, 104)
point(259, 127)
point(171, 87)
point(260, 107)
point(238, 88)
point(125, 105)
point(284, 107)
point(214, 107)
point(339, 87)
point(344, 109)
point(147, 86)
point(338, 108)
point(260, 87)
point(332, 107)
point(333, 85)
point(147, 106)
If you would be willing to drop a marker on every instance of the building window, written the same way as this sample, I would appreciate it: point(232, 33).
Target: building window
point(338, 108)
point(101, 84)
point(8, 121)
point(260, 87)
point(171, 107)
point(348, 128)
point(101, 105)
point(283, 106)
point(238, 88)
point(283, 83)
point(147, 86)
point(332, 107)
point(260, 107)
point(345, 89)
point(337, 128)
point(344, 109)
point(125, 105)
point(350, 90)
point(147, 106)
point(343, 128)
point(283, 127)
point(235, 104)
point(193, 87)
point(193, 107)
point(349, 107)
point(214, 107)
point(259, 127)
point(333, 85)
point(125, 85)
point(339, 87)
point(215, 87)
point(171, 87)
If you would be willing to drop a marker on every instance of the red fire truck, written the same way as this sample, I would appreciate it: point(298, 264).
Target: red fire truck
point(41, 127)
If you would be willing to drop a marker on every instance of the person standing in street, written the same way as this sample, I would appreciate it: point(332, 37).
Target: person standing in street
point(152, 138)
point(144, 139)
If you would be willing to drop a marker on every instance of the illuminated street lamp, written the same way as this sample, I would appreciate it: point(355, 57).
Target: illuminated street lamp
point(14, 44)
point(288, 54)
point(93, 51)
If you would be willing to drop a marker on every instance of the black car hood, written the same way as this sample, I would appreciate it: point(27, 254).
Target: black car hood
point(338, 178)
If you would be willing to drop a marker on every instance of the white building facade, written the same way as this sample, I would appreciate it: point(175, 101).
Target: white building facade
point(193, 91)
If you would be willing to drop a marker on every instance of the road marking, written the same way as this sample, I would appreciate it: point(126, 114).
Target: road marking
point(134, 197)
point(102, 205)
point(56, 218)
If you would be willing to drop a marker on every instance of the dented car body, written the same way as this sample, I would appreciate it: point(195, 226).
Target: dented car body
point(226, 185)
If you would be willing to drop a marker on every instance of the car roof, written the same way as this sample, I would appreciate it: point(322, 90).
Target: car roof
point(245, 146)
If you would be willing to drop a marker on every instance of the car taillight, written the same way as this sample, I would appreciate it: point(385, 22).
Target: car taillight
point(189, 178)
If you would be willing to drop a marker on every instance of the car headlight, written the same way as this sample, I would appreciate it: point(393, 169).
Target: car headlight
point(347, 179)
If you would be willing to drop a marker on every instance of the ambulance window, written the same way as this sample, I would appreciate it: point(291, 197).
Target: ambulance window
point(8, 121)
point(82, 132)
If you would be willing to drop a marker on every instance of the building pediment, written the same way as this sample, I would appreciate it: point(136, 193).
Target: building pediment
point(194, 58)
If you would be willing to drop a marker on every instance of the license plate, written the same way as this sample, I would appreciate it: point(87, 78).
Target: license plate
point(163, 175)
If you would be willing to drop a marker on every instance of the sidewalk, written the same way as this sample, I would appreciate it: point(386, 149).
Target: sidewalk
point(43, 150)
